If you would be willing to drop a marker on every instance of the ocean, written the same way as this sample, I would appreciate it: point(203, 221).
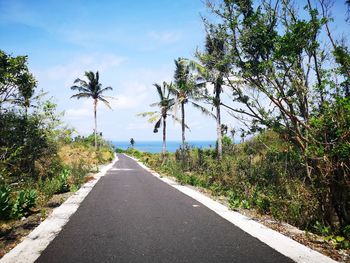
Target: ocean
point(156, 146)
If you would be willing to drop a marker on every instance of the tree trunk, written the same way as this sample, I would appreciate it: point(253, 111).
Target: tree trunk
point(164, 137)
point(218, 120)
point(95, 118)
point(183, 130)
point(183, 124)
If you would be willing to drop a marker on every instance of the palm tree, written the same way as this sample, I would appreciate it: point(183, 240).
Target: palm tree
point(91, 89)
point(165, 103)
point(212, 71)
point(132, 142)
point(185, 91)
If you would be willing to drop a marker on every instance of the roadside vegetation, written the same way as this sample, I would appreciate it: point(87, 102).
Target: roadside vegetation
point(261, 177)
point(39, 156)
point(287, 76)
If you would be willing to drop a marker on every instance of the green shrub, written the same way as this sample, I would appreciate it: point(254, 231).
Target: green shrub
point(25, 200)
point(234, 200)
point(78, 172)
point(119, 150)
point(262, 203)
point(346, 231)
point(5, 202)
point(63, 181)
point(49, 187)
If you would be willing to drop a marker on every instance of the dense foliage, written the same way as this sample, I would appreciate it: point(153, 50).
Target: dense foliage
point(38, 158)
point(283, 78)
point(287, 75)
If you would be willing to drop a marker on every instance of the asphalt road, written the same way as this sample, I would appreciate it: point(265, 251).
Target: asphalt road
point(131, 216)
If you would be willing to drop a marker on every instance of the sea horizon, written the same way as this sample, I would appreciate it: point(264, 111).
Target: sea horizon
point(155, 146)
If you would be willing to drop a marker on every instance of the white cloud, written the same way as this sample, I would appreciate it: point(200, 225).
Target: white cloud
point(66, 73)
point(139, 126)
point(124, 102)
point(165, 37)
point(78, 113)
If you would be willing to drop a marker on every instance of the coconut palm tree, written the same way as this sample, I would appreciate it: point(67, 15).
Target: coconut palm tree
point(165, 103)
point(91, 89)
point(185, 91)
point(211, 70)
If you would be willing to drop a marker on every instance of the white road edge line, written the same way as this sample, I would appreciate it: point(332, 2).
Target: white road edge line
point(284, 245)
point(34, 244)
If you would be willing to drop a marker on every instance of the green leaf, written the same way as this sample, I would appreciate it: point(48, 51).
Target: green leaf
point(339, 239)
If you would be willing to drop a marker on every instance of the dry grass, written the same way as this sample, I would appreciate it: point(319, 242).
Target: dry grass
point(71, 154)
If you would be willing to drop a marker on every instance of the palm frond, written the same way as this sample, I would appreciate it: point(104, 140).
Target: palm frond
point(104, 89)
point(157, 125)
point(81, 95)
point(178, 120)
point(203, 110)
point(173, 90)
point(155, 104)
point(91, 89)
point(97, 77)
point(81, 89)
point(90, 75)
point(159, 90)
point(146, 114)
point(108, 97)
point(202, 71)
point(171, 103)
point(82, 82)
point(106, 102)
point(153, 116)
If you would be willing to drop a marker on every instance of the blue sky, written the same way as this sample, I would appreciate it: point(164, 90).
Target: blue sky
point(131, 43)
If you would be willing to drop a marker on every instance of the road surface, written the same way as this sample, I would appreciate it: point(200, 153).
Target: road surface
point(131, 216)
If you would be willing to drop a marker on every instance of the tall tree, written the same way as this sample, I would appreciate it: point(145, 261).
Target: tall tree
point(282, 78)
point(165, 104)
point(185, 91)
point(214, 65)
point(17, 84)
point(91, 89)
point(27, 124)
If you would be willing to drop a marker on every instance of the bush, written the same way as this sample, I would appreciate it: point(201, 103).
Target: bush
point(16, 204)
point(63, 181)
point(49, 187)
point(264, 173)
point(25, 200)
point(5, 202)
point(78, 172)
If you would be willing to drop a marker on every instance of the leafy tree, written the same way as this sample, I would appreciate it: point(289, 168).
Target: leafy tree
point(91, 89)
point(282, 78)
point(165, 104)
point(27, 124)
point(17, 84)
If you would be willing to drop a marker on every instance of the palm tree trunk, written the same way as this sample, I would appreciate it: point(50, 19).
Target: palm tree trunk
point(95, 118)
point(183, 124)
point(218, 120)
point(164, 137)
